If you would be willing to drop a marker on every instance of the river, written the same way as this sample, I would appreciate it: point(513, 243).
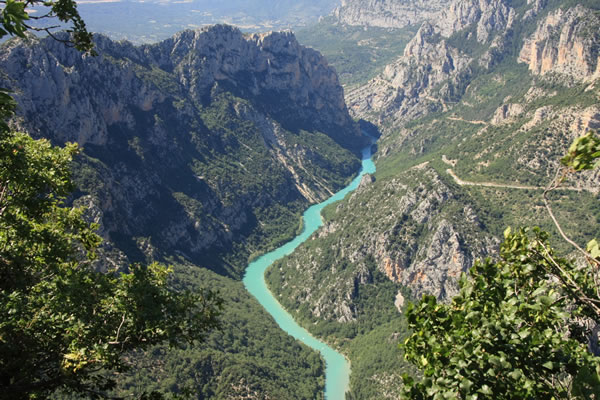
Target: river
point(337, 373)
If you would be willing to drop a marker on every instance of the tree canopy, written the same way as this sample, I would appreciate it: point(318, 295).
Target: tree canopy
point(18, 18)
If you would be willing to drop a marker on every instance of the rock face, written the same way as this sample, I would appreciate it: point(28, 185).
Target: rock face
point(431, 72)
point(440, 62)
point(387, 13)
point(565, 44)
point(295, 81)
point(489, 16)
point(188, 143)
point(414, 241)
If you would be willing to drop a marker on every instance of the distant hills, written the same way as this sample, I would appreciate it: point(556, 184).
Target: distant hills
point(154, 20)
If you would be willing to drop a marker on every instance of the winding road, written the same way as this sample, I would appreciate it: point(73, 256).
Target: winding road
point(503, 185)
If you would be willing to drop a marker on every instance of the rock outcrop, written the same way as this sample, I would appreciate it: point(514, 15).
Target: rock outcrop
point(408, 87)
point(434, 71)
point(411, 237)
point(488, 16)
point(430, 73)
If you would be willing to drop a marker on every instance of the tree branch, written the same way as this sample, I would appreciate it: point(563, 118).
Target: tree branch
point(570, 283)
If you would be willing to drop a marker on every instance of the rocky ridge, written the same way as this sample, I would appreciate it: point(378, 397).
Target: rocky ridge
point(263, 65)
point(564, 43)
point(431, 71)
point(406, 88)
point(439, 68)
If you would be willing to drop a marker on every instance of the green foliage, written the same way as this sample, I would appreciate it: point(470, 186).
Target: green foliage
point(594, 248)
point(249, 352)
point(510, 333)
point(13, 17)
point(165, 82)
point(61, 322)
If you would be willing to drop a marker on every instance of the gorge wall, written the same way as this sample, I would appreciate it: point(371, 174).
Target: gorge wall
point(386, 13)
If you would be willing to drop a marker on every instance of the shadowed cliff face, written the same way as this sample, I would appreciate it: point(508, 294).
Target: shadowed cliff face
point(294, 83)
point(194, 144)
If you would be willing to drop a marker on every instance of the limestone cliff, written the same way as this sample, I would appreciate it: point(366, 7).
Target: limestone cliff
point(410, 86)
point(295, 80)
point(468, 38)
point(565, 43)
point(488, 16)
point(189, 144)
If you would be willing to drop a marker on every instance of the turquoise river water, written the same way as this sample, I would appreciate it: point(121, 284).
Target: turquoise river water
point(337, 374)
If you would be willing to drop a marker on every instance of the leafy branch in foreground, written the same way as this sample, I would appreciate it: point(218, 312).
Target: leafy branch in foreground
point(63, 326)
point(584, 154)
point(16, 15)
point(524, 327)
